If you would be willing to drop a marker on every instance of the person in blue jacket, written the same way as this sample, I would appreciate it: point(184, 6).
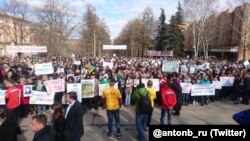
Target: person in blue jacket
point(242, 117)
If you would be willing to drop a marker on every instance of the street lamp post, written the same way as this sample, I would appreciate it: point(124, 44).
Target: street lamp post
point(94, 45)
point(244, 47)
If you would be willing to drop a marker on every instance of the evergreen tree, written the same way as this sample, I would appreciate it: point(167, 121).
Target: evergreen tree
point(161, 38)
point(175, 37)
point(179, 15)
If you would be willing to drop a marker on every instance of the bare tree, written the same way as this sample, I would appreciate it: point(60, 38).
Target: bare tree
point(138, 34)
point(16, 25)
point(198, 11)
point(94, 32)
point(148, 27)
point(242, 15)
point(58, 22)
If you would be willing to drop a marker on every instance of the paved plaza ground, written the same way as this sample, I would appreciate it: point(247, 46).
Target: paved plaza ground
point(95, 121)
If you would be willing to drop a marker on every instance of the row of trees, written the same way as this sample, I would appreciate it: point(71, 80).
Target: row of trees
point(204, 28)
point(53, 25)
point(145, 33)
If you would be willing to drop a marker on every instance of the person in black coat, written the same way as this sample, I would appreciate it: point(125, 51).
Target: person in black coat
point(73, 118)
point(174, 84)
point(246, 88)
point(58, 121)
point(7, 128)
point(42, 131)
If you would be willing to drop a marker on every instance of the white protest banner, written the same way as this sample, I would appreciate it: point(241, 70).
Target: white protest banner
point(60, 70)
point(43, 98)
point(206, 65)
point(227, 81)
point(186, 87)
point(184, 69)
point(2, 97)
point(192, 70)
point(77, 62)
point(199, 67)
point(156, 83)
point(102, 87)
point(246, 63)
point(217, 84)
point(88, 88)
point(105, 64)
point(136, 82)
point(27, 89)
point(45, 68)
point(57, 85)
point(202, 89)
point(26, 49)
point(170, 66)
point(76, 87)
point(114, 47)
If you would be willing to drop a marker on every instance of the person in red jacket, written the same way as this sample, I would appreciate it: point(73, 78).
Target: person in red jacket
point(12, 95)
point(24, 107)
point(168, 102)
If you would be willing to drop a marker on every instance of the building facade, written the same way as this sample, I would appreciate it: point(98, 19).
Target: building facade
point(228, 34)
point(15, 31)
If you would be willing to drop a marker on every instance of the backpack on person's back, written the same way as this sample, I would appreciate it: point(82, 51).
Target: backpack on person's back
point(144, 104)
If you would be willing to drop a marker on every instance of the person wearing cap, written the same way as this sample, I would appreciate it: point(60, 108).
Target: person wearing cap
point(112, 101)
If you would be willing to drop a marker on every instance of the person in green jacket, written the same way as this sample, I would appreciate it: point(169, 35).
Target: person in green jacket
point(140, 118)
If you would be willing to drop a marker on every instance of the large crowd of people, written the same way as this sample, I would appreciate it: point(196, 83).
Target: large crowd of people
point(68, 124)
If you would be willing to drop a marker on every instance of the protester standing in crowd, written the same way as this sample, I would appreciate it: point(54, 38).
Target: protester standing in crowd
point(121, 82)
point(246, 88)
point(57, 121)
point(152, 94)
point(174, 84)
point(112, 101)
point(73, 118)
point(204, 80)
point(141, 110)
point(168, 103)
point(128, 90)
point(39, 86)
point(7, 128)
point(185, 96)
point(42, 131)
point(13, 96)
point(24, 107)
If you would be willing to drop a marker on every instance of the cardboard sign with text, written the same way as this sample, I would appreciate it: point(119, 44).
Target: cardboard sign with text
point(55, 85)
